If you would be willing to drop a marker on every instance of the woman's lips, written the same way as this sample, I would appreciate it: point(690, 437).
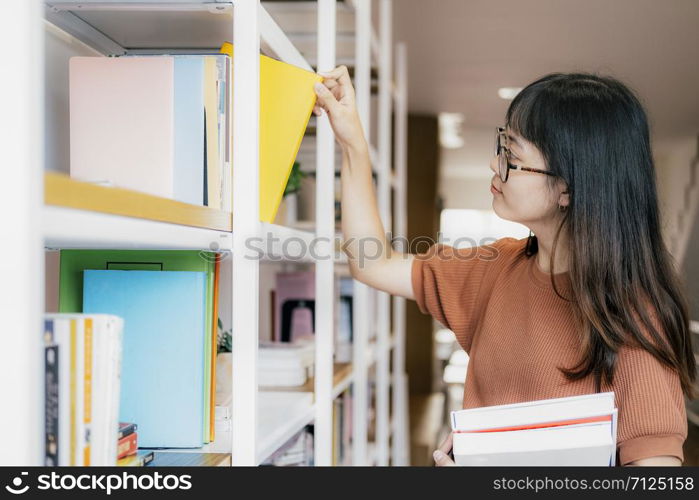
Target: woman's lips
point(494, 190)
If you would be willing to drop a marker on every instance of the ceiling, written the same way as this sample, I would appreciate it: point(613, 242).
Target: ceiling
point(461, 51)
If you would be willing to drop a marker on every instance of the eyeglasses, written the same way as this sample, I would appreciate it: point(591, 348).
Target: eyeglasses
point(503, 152)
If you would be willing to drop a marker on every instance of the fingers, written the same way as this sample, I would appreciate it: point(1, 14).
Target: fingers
point(446, 446)
point(341, 74)
point(442, 460)
point(326, 99)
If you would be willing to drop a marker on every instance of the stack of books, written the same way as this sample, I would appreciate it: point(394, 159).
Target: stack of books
point(128, 440)
point(342, 428)
point(82, 378)
point(576, 430)
point(127, 448)
point(139, 459)
point(296, 452)
point(285, 364)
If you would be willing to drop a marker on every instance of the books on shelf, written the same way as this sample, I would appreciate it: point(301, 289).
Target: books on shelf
point(342, 428)
point(576, 430)
point(162, 124)
point(139, 459)
point(343, 319)
point(285, 364)
point(82, 374)
point(127, 445)
point(156, 124)
point(166, 299)
point(185, 459)
point(296, 452)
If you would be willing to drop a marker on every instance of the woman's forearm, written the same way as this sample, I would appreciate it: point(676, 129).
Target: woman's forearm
point(366, 244)
point(365, 241)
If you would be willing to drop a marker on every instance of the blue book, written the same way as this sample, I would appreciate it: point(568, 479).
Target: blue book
point(162, 384)
point(189, 129)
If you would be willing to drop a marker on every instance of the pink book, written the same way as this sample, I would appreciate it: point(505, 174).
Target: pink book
point(122, 121)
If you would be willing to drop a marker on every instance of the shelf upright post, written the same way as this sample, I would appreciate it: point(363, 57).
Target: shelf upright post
point(362, 295)
point(383, 335)
point(325, 234)
point(21, 254)
point(246, 228)
point(400, 443)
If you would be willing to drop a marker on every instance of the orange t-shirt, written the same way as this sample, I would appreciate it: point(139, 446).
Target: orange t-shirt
point(505, 314)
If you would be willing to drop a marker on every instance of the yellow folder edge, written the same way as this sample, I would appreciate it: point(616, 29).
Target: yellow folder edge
point(287, 98)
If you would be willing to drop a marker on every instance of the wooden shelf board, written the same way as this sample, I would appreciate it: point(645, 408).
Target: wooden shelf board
point(61, 190)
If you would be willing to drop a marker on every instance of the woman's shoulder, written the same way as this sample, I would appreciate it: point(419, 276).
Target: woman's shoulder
point(501, 248)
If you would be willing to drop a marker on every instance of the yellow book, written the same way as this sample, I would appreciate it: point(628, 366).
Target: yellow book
point(286, 102)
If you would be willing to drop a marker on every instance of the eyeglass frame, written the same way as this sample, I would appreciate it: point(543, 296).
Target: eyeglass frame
point(500, 132)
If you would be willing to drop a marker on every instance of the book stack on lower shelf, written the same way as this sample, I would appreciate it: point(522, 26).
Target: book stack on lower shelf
point(166, 303)
point(285, 364)
point(296, 452)
point(81, 372)
point(342, 429)
point(127, 446)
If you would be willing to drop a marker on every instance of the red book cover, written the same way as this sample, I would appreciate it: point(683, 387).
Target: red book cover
point(572, 421)
point(127, 445)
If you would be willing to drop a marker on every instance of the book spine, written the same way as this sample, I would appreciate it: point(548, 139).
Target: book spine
point(147, 458)
point(73, 391)
point(87, 380)
point(126, 430)
point(51, 395)
point(127, 445)
point(116, 339)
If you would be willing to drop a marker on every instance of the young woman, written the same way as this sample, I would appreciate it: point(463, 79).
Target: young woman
point(589, 302)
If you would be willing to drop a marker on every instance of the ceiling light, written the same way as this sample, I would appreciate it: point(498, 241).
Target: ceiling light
point(450, 130)
point(508, 93)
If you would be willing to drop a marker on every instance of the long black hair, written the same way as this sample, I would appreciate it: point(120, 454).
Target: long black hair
point(593, 133)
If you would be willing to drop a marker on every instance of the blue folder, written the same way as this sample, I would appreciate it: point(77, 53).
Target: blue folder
point(162, 385)
point(189, 129)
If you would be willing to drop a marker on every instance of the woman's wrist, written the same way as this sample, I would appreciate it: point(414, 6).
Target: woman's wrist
point(355, 148)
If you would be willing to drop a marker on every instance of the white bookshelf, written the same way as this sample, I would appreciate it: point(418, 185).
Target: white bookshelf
point(39, 220)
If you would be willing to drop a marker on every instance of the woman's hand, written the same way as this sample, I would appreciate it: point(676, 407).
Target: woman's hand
point(336, 98)
point(441, 457)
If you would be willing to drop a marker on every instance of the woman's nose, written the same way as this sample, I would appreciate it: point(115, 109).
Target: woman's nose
point(494, 164)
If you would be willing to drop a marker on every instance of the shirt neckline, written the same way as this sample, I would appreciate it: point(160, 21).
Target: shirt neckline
point(543, 279)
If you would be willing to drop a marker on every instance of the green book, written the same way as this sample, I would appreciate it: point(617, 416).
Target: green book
point(70, 288)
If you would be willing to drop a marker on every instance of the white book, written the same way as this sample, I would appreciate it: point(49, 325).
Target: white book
point(493, 435)
point(282, 378)
point(107, 345)
point(532, 411)
point(574, 445)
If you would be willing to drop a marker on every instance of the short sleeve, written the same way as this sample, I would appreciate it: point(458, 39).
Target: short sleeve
point(447, 282)
point(651, 411)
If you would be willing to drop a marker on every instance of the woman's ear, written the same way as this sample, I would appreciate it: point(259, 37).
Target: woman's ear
point(564, 198)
